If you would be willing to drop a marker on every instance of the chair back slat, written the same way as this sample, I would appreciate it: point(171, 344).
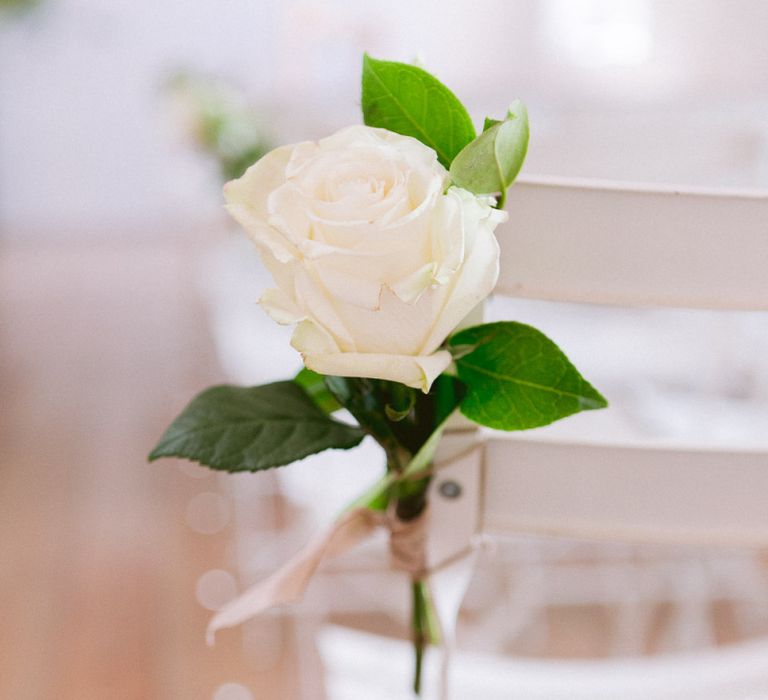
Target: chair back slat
point(634, 246)
point(625, 493)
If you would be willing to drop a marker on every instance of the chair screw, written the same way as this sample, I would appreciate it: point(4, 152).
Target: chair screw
point(450, 489)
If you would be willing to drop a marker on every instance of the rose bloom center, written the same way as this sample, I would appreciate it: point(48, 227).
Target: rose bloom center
point(368, 181)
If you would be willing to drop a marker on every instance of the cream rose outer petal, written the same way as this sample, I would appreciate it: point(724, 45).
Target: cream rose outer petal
point(281, 308)
point(417, 371)
point(479, 272)
point(321, 354)
point(246, 200)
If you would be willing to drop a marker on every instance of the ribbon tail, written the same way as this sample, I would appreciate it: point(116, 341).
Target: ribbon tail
point(448, 586)
point(288, 583)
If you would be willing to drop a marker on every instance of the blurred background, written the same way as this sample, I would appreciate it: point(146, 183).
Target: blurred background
point(124, 289)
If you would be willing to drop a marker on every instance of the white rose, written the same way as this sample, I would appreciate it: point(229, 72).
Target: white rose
point(372, 257)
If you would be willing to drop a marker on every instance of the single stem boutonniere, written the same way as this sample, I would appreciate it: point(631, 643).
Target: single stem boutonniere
point(380, 239)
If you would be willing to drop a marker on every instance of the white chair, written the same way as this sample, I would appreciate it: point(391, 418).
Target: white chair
point(603, 243)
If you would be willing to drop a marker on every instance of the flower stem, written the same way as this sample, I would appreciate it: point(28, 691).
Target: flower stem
point(425, 627)
point(419, 632)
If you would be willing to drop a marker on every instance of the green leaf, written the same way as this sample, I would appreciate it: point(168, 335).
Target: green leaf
point(401, 403)
point(492, 161)
point(488, 123)
point(410, 101)
point(236, 429)
point(314, 384)
point(518, 378)
point(396, 415)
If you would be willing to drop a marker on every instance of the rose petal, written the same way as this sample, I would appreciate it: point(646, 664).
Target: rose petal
point(309, 337)
point(417, 371)
point(280, 307)
point(394, 328)
point(312, 297)
point(246, 200)
point(349, 288)
point(287, 212)
point(474, 280)
point(448, 246)
point(411, 287)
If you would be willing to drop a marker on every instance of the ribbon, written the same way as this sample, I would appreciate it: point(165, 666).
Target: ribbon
point(287, 584)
